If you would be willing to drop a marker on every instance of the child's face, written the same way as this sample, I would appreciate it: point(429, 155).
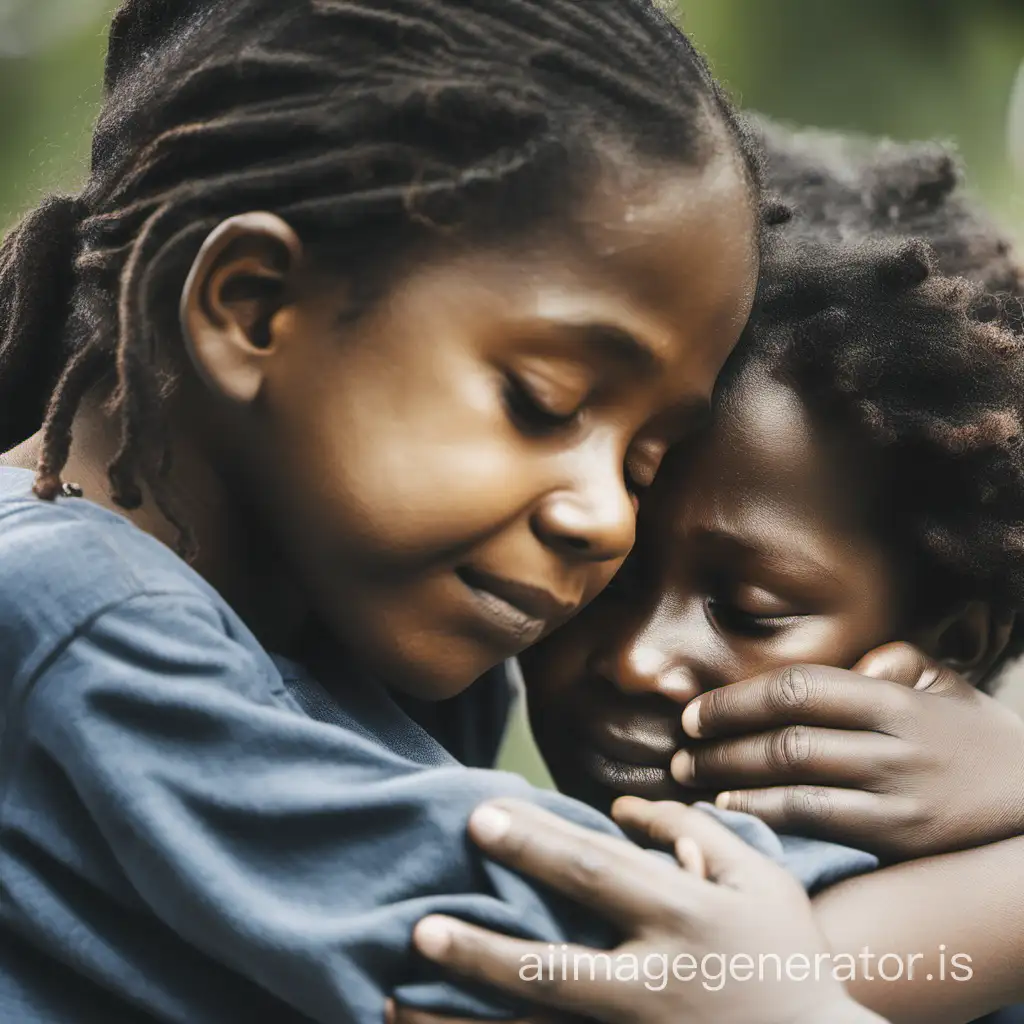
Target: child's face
point(753, 552)
point(449, 475)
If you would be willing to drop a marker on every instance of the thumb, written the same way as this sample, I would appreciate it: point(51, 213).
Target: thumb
point(909, 666)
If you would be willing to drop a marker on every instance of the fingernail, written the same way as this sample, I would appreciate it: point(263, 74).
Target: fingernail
point(723, 800)
point(433, 937)
point(682, 767)
point(489, 824)
point(691, 719)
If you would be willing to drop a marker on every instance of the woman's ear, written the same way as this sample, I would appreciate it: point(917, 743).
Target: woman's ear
point(969, 640)
point(239, 282)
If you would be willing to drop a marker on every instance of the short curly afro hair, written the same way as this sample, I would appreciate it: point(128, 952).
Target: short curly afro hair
point(892, 304)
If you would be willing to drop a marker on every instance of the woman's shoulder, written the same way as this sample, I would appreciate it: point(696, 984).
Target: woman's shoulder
point(64, 562)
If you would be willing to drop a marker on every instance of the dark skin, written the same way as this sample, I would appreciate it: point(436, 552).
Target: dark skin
point(758, 552)
point(727, 901)
point(449, 475)
point(754, 553)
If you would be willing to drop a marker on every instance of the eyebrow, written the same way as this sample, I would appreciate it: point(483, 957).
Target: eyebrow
point(618, 346)
point(774, 558)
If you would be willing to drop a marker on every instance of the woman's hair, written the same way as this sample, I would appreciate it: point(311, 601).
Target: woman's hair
point(374, 127)
point(860, 311)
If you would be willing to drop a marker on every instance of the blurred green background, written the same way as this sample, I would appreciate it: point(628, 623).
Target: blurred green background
point(904, 68)
point(907, 68)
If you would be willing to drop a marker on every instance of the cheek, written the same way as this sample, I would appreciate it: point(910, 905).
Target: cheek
point(380, 469)
point(838, 640)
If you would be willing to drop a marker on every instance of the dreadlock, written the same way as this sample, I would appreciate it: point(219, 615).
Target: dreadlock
point(370, 127)
point(892, 305)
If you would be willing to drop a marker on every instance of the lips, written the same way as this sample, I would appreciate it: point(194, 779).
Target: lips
point(635, 739)
point(638, 729)
point(519, 612)
point(622, 744)
point(535, 602)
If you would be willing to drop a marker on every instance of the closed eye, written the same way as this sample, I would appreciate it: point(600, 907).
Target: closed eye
point(731, 619)
point(530, 413)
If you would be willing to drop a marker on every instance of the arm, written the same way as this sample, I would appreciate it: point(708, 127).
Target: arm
point(971, 901)
point(697, 932)
point(913, 763)
point(294, 854)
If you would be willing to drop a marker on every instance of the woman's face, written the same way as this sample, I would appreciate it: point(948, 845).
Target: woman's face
point(753, 552)
point(452, 476)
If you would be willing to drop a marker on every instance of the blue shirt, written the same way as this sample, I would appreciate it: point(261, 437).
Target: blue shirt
point(194, 831)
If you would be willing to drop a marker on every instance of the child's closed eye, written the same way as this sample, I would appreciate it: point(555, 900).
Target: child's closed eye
point(751, 611)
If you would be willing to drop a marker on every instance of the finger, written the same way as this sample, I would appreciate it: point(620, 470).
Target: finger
point(623, 883)
point(797, 694)
point(726, 856)
point(848, 816)
point(690, 857)
point(529, 970)
point(797, 753)
point(909, 666)
point(395, 1014)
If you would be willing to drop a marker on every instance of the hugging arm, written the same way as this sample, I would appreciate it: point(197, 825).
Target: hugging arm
point(199, 837)
point(971, 902)
point(873, 762)
point(693, 934)
point(904, 757)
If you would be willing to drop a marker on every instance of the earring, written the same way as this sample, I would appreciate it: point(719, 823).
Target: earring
point(71, 491)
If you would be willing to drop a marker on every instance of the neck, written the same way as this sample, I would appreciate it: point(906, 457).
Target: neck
point(235, 555)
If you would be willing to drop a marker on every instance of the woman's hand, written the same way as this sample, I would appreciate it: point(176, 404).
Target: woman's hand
point(727, 937)
point(899, 756)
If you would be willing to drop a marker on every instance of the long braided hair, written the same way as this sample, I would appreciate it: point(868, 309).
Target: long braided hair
point(366, 124)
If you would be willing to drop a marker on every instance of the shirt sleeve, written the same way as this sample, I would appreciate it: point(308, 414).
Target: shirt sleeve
point(295, 853)
point(815, 863)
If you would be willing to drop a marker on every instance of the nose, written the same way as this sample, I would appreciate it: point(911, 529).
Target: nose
point(591, 519)
point(642, 662)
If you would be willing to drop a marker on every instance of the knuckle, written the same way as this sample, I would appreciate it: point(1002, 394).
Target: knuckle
point(585, 871)
point(911, 816)
point(810, 803)
point(793, 689)
point(789, 748)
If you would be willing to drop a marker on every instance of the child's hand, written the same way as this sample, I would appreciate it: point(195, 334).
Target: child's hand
point(709, 934)
point(909, 762)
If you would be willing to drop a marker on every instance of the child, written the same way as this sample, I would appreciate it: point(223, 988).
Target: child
point(366, 306)
point(863, 483)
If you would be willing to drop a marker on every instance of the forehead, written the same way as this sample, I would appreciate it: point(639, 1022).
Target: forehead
point(767, 468)
point(681, 245)
point(668, 260)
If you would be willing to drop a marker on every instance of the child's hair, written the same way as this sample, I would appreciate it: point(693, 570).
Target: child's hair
point(374, 128)
point(845, 186)
point(925, 371)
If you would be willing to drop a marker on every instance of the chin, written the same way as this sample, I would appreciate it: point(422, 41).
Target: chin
point(432, 679)
point(411, 659)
